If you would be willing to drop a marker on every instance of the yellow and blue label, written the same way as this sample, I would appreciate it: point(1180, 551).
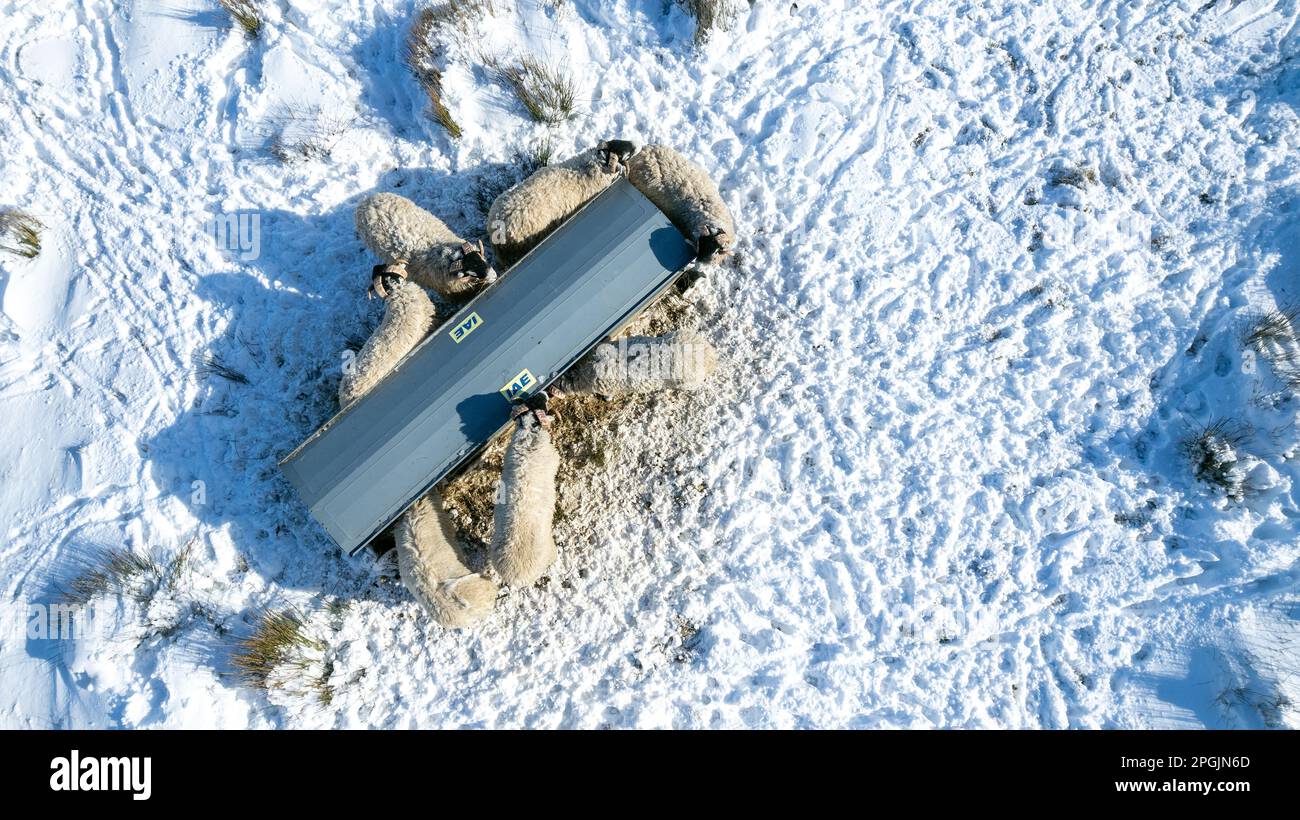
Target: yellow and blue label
point(465, 327)
point(519, 385)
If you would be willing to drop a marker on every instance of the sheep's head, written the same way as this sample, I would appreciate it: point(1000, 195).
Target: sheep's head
point(470, 260)
point(384, 279)
point(614, 154)
point(713, 244)
point(533, 410)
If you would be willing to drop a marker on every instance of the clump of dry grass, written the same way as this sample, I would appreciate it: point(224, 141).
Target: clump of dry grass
point(20, 233)
point(423, 53)
point(121, 571)
point(1272, 328)
point(302, 133)
point(547, 93)
point(209, 365)
point(245, 14)
point(1273, 336)
point(1212, 450)
point(1079, 176)
point(537, 156)
point(710, 16)
point(279, 654)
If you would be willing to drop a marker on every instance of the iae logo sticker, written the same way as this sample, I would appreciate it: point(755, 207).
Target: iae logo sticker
point(519, 385)
point(465, 327)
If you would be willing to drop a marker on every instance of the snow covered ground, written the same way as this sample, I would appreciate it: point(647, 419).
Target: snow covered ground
point(998, 260)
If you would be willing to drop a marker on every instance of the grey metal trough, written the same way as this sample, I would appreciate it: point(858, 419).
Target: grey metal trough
point(451, 394)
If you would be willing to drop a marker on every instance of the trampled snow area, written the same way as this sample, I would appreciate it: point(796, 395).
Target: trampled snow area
point(997, 261)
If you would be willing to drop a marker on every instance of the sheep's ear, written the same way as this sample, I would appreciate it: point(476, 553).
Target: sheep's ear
point(481, 251)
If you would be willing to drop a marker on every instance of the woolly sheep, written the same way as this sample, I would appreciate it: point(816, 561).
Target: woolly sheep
point(523, 544)
point(398, 230)
point(687, 195)
point(408, 317)
point(431, 563)
point(681, 360)
point(521, 217)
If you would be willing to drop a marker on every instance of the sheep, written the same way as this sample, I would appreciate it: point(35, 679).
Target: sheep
point(687, 196)
point(408, 317)
point(430, 560)
point(399, 231)
point(681, 360)
point(433, 568)
point(522, 217)
point(523, 544)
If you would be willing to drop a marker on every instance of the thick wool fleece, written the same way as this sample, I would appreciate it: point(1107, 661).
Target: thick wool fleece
point(681, 360)
point(393, 227)
point(433, 569)
point(683, 191)
point(523, 544)
point(428, 558)
point(522, 216)
point(408, 317)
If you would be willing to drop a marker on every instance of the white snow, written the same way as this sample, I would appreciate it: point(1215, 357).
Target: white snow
point(997, 261)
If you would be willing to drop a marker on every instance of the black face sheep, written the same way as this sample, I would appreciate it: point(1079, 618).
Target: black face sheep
point(681, 360)
point(688, 196)
point(522, 216)
point(399, 231)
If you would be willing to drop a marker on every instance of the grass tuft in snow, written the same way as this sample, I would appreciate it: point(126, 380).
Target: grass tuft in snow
point(305, 133)
point(1079, 176)
point(538, 156)
point(710, 16)
point(548, 94)
point(211, 365)
point(423, 52)
point(1273, 334)
point(20, 233)
point(121, 571)
point(1212, 450)
point(279, 654)
point(116, 571)
point(246, 15)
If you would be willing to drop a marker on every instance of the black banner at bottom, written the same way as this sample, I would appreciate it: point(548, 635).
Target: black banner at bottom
point(141, 771)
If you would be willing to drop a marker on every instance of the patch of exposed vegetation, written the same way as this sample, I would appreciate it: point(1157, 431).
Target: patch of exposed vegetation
point(422, 57)
point(303, 133)
point(546, 91)
point(210, 365)
point(122, 571)
point(710, 16)
point(1213, 452)
point(246, 15)
point(279, 654)
point(20, 233)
